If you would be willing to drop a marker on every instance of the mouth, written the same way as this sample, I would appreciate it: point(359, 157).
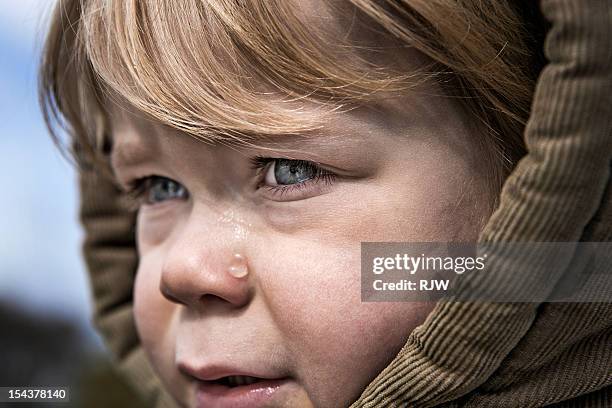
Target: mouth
point(219, 386)
point(237, 380)
point(238, 391)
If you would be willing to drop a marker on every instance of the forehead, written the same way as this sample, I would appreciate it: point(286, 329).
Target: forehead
point(340, 21)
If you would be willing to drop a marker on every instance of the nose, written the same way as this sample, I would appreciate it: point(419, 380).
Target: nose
point(206, 263)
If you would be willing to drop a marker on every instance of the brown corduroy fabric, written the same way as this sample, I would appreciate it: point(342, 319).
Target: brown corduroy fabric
point(464, 354)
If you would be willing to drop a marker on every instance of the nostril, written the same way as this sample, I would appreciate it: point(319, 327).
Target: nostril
point(208, 298)
point(168, 296)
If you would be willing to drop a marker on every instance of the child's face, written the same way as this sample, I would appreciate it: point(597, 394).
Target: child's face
point(406, 171)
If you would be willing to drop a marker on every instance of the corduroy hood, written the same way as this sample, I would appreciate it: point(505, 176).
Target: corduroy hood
point(466, 354)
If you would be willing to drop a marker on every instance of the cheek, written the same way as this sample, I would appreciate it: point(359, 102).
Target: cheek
point(153, 312)
point(312, 279)
point(333, 336)
point(154, 316)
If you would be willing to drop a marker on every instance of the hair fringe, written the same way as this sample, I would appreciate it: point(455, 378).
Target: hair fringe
point(212, 68)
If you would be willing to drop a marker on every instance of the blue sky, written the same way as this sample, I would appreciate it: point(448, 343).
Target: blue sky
point(40, 263)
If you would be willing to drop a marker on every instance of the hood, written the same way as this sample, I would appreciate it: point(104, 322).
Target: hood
point(466, 354)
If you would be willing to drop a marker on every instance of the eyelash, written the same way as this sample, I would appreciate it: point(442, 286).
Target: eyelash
point(260, 165)
point(137, 189)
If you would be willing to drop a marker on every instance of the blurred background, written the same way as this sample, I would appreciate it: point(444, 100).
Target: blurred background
point(46, 336)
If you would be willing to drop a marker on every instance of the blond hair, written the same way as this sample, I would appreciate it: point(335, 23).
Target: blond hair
point(198, 66)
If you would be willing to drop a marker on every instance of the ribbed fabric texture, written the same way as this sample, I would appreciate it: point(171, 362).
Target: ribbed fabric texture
point(464, 354)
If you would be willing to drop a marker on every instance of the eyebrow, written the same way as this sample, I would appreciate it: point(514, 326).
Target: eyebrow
point(131, 153)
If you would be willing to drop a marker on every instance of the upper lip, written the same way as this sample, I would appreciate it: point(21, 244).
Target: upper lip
point(212, 372)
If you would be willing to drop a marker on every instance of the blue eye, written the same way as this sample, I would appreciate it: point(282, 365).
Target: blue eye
point(288, 172)
point(154, 190)
point(160, 189)
point(282, 179)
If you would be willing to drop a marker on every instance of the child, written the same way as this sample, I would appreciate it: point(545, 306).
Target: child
point(260, 142)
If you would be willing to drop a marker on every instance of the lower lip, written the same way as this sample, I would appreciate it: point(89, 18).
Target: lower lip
point(209, 395)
